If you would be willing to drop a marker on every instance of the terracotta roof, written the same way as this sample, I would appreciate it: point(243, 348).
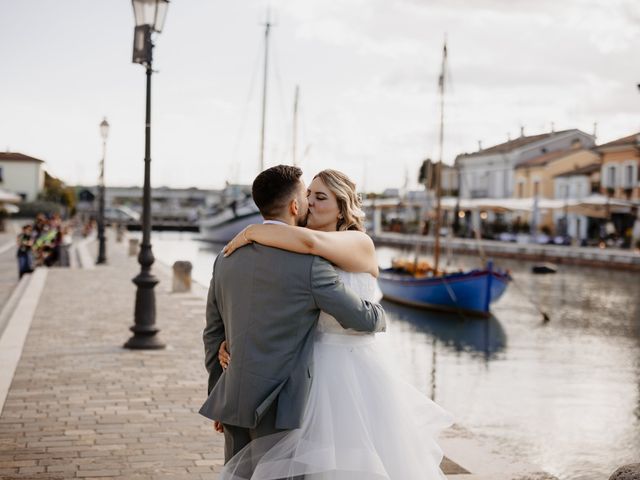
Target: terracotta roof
point(586, 170)
point(620, 142)
point(516, 143)
point(17, 157)
point(545, 158)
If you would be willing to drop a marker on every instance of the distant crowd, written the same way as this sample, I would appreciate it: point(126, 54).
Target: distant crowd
point(41, 243)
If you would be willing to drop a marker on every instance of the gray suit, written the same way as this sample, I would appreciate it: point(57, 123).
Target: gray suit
point(265, 302)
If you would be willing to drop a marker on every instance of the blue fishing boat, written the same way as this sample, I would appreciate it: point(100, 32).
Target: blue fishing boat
point(470, 292)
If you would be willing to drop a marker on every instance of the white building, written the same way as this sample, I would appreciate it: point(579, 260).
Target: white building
point(575, 185)
point(489, 173)
point(21, 174)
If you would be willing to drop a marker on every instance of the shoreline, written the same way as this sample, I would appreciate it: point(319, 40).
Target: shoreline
point(608, 258)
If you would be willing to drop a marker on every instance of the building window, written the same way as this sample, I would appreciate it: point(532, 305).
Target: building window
point(536, 188)
point(1, 175)
point(628, 176)
point(520, 189)
point(611, 176)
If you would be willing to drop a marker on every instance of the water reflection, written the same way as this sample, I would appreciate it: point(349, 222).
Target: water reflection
point(564, 395)
point(477, 336)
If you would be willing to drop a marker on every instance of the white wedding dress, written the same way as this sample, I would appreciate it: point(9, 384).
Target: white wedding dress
point(361, 421)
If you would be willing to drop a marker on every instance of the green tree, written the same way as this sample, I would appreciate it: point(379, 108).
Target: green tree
point(56, 191)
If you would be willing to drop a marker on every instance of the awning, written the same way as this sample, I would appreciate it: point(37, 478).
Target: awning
point(9, 208)
point(501, 204)
point(8, 197)
point(598, 206)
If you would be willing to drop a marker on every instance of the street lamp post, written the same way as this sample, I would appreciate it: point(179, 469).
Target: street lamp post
point(149, 16)
point(102, 249)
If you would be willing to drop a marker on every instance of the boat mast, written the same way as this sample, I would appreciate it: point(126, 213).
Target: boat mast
point(267, 28)
point(295, 125)
point(441, 84)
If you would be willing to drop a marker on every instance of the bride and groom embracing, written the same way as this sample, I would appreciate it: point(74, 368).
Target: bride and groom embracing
point(296, 381)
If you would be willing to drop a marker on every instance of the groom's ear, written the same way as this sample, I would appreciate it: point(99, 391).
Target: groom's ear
point(294, 207)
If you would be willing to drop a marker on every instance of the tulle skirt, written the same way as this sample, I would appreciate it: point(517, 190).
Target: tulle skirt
point(361, 423)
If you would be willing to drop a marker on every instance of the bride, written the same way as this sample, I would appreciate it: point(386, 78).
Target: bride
point(361, 421)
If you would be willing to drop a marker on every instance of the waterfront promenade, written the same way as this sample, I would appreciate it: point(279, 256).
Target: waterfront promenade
point(81, 406)
point(611, 258)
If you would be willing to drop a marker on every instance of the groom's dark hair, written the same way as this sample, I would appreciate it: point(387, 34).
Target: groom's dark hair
point(274, 188)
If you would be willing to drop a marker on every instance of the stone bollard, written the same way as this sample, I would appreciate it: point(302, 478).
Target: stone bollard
point(181, 277)
point(627, 472)
point(133, 246)
point(64, 259)
point(119, 232)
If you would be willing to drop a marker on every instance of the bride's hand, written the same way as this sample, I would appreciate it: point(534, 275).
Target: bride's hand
point(224, 357)
point(240, 240)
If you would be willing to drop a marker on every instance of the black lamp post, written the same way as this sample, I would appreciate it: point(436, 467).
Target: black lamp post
point(102, 249)
point(150, 16)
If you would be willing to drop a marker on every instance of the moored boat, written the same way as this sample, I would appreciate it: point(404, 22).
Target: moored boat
point(470, 292)
point(420, 285)
point(544, 268)
point(230, 219)
point(222, 226)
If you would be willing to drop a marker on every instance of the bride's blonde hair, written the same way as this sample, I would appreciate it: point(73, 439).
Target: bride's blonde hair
point(349, 203)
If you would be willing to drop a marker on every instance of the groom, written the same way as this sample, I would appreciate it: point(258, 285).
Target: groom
point(265, 303)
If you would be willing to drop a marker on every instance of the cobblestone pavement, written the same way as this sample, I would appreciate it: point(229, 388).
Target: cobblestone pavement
point(81, 406)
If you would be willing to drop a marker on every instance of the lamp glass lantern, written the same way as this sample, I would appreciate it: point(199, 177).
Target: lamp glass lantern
point(149, 17)
point(104, 129)
point(150, 13)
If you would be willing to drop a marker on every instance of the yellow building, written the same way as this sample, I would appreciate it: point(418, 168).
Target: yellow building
point(535, 177)
point(621, 167)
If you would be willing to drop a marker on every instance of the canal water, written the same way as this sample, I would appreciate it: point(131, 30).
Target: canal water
point(563, 395)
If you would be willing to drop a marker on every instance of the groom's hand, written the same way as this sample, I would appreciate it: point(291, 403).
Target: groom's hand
point(224, 357)
point(217, 426)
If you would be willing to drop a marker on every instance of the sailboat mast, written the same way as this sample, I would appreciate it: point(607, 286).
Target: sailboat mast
point(267, 28)
point(436, 257)
point(295, 126)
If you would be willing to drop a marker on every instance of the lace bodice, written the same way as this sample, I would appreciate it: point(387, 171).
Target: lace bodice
point(362, 284)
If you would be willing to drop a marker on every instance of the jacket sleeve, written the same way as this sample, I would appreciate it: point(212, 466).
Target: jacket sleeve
point(334, 298)
point(213, 335)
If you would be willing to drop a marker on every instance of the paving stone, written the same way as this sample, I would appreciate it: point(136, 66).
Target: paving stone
point(82, 405)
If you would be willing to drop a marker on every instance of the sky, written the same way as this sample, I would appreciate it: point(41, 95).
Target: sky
point(367, 72)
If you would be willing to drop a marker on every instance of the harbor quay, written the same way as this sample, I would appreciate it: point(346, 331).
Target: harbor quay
point(81, 406)
point(76, 404)
point(613, 258)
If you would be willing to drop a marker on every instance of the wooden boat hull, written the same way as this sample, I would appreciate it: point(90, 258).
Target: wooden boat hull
point(469, 293)
point(544, 268)
point(225, 231)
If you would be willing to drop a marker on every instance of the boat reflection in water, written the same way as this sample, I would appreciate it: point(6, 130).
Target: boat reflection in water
point(462, 333)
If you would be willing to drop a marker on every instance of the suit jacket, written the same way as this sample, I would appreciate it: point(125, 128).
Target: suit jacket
point(265, 302)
